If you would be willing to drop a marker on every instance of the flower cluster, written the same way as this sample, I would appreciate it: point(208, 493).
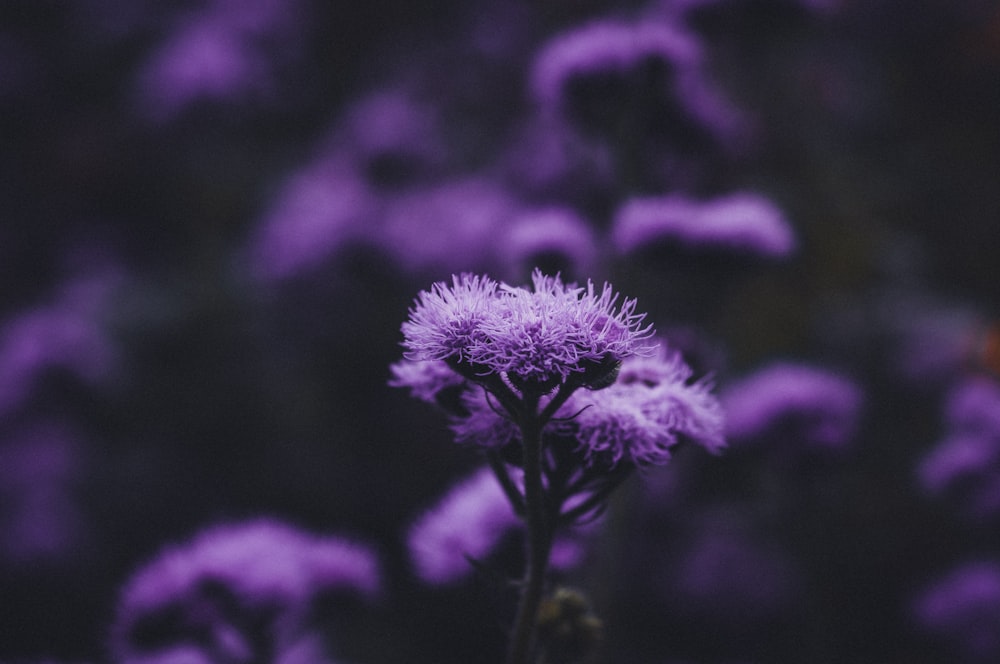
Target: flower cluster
point(241, 592)
point(640, 399)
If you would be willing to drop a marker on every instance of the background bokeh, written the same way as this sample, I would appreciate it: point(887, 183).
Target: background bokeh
point(214, 216)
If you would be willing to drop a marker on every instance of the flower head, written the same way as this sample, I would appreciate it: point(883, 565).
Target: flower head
point(652, 407)
point(540, 336)
point(447, 321)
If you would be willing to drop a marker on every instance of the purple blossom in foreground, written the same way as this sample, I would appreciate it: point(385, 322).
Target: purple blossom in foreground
point(966, 463)
point(240, 592)
point(963, 607)
point(540, 336)
point(652, 407)
point(742, 223)
point(812, 405)
point(557, 451)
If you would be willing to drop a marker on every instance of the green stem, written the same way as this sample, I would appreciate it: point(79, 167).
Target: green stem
point(539, 537)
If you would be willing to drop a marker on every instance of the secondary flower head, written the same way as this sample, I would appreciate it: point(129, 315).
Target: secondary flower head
point(539, 336)
point(651, 407)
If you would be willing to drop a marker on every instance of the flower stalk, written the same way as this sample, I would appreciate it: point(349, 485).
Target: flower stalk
point(539, 537)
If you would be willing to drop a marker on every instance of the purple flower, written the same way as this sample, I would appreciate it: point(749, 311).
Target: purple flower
point(555, 238)
point(549, 162)
point(537, 336)
point(217, 54)
point(640, 418)
point(966, 462)
point(40, 518)
point(726, 571)
point(446, 322)
point(974, 406)
point(652, 406)
point(743, 223)
point(360, 190)
point(646, 75)
point(65, 334)
point(964, 607)
point(470, 521)
point(820, 406)
point(234, 583)
point(318, 211)
point(451, 226)
point(392, 138)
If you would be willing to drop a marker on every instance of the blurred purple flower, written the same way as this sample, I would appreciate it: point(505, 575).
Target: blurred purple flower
point(218, 54)
point(65, 335)
point(470, 521)
point(742, 223)
point(40, 517)
point(425, 378)
point(646, 75)
point(554, 239)
point(966, 462)
point(815, 406)
point(238, 591)
point(963, 606)
point(392, 139)
point(551, 163)
point(362, 189)
point(727, 572)
point(319, 210)
point(448, 227)
point(974, 406)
